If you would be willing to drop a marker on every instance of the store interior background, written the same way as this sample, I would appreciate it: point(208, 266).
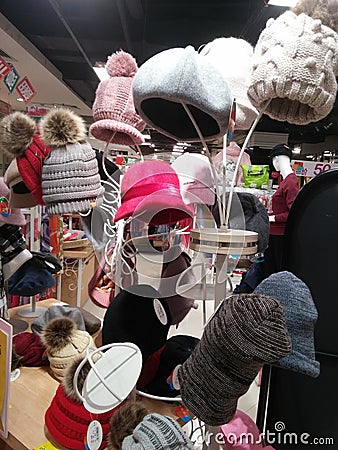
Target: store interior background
point(56, 44)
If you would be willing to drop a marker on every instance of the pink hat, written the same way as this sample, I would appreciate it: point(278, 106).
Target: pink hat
point(150, 192)
point(12, 216)
point(242, 433)
point(114, 113)
point(196, 179)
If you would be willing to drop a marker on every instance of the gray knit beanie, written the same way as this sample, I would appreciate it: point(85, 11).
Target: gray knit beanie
point(295, 63)
point(246, 332)
point(300, 316)
point(176, 76)
point(70, 174)
point(157, 432)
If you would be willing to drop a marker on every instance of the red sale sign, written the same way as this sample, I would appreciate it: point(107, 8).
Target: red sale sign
point(25, 90)
point(311, 168)
point(4, 68)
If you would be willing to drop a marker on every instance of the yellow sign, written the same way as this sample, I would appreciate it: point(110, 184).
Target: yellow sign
point(46, 446)
point(6, 331)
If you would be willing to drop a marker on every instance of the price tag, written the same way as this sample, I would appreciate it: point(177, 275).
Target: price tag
point(4, 209)
point(173, 379)
point(46, 446)
point(94, 436)
point(160, 312)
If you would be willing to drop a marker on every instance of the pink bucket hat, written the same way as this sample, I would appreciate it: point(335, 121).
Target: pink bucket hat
point(114, 113)
point(12, 216)
point(150, 192)
point(241, 433)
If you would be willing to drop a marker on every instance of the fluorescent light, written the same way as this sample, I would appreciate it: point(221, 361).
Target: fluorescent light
point(286, 3)
point(19, 99)
point(101, 73)
point(296, 151)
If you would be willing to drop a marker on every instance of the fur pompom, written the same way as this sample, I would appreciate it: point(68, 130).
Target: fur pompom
point(121, 64)
point(62, 126)
point(16, 134)
point(57, 333)
point(67, 381)
point(324, 10)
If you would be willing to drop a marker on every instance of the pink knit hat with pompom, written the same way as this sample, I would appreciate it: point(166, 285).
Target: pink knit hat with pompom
point(114, 113)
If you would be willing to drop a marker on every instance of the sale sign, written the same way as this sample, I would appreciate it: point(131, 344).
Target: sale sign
point(25, 90)
point(311, 168)
point(11, 79)
point(4, 68)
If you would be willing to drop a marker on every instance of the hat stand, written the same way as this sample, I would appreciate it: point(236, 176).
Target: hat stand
point(18, 325)
point(34, 311)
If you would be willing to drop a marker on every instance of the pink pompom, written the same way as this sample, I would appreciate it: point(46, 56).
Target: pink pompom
point(121, 64)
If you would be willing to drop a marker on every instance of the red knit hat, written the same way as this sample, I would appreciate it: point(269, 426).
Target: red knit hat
point(67, 421)
point(19, 138)
point(30, 349)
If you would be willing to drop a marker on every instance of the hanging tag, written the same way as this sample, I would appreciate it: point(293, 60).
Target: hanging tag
point(94, 436)
point(4, 209)
point(173, 379)
point(15, 374)
point(160, 312)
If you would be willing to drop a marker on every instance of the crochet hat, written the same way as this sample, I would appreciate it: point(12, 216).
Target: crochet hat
point(294, 66)
point(176, 76)
point(196, 179)
point(177, 350)
point(300, 316)
point(70, 175)
point(137, 315)
point(30, 349)
point(64, 343)
point(20, 196)
point(9, 215)
point(241, 433)
point(246, 332)
point(113, 110)
point(157, 432)
point(150, 191)
point(20, 139)
point(233, 58)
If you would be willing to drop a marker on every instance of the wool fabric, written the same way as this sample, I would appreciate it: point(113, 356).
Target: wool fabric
point(20, 196)
point(233, 58)
point(246, 332)
point(12, 216)
point(116, 120)
point(180, 76)
point(157, 432)
point(295, 68)
point(300, 316)
point(30, 349)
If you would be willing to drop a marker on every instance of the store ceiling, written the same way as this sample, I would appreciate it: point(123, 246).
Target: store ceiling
point(75, 34)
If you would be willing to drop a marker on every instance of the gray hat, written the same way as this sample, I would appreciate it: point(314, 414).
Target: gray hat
point(301, 317)
point(176, 76)
point(157, 432)
point(70, 174)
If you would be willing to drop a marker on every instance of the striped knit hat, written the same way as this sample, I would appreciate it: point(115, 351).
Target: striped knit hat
point(246, 332)
point(70, 174)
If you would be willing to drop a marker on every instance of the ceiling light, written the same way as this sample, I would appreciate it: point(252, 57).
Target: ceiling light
point(309, 156)
point(285, 3)
point(19, 99)
point(296, 151)
point(146, 136)
point(101, 73)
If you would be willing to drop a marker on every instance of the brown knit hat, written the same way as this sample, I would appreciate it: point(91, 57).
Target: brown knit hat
point(246, 332)
point(64, 342)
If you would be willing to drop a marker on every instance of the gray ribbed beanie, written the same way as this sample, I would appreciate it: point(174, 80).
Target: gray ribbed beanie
point(70, 174)
point(300, 316)
point(179, 75)
point(246, 332)
point(157, 432)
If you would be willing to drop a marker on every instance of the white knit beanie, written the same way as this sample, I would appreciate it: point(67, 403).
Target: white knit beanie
point(294, 66)
point(222, 53)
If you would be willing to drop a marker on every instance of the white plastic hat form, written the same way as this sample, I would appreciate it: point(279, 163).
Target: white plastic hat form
point(111, 378)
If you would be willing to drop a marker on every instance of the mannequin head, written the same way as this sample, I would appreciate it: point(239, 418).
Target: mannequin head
point(282, 164)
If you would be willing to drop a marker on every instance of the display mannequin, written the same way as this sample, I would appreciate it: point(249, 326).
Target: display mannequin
point(281, 202)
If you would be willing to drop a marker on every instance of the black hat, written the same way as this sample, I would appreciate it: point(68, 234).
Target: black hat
point(281, 149)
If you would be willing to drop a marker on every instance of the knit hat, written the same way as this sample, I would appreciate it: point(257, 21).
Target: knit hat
point(241, 433)
point(177, 350)
point(246, 332)
point(150, 192)
point(20, 196)
point(20, 139)
point(294, 66)
point(70, 176)
point(176, 76)
point(137, 315)
point(30, 349)
point(233, 58)
point(157, 432)
point(114, 113)
point(300, 316)
point(64, 342)
point(196, 179)
point(280, 149)
point(9, 215)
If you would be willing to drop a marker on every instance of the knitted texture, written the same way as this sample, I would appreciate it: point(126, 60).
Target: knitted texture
point(30, 349)
point(246, 332)
point(233, 58)
point(294, 66)
point(12, 216)
point(157, 432)
point(176, 76)
point(114, 113)
point(301, 317)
